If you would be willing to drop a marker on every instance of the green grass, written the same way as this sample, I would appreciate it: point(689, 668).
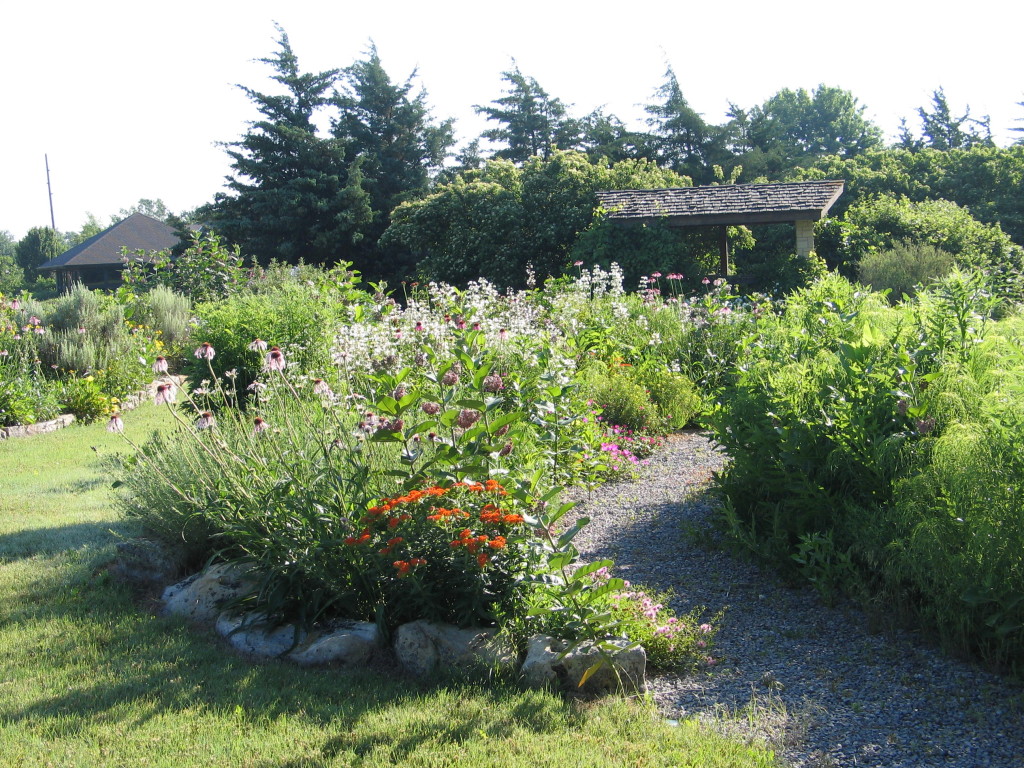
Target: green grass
point(88, 677)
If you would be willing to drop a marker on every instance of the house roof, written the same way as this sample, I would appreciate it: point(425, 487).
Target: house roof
point(725, 204)
point(136, 233)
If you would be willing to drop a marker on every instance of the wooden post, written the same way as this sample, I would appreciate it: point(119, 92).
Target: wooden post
point(723, 253)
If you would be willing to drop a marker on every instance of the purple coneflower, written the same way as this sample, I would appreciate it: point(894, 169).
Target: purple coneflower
point(275, 359)
point(205, 351)
point(205, 421)
point(15, 305)
point(322, 388)
point(258, 345)
point(164, 394)
point(259, 425)
point(160, 364)
point(116, 423)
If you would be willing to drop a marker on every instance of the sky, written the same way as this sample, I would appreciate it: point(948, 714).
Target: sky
point(127, 102)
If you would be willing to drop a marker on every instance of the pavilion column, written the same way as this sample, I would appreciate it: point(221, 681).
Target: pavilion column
point(723, 252)
point(804, 237)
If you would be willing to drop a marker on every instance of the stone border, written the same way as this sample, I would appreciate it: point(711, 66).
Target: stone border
point(39, 428)
point(66, 419)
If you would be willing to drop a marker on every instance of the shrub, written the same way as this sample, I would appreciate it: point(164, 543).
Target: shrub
point(84, 398)
point(902, 268)
point(169, 314)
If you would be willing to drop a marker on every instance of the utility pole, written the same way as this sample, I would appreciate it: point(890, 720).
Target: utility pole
point(53, 223)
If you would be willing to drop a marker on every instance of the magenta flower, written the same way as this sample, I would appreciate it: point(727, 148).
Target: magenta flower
point(419, 327)
point(577, 263)
point(116, 424)
point(15, 305)
point(275, 360)
point(160, 364)
point(705, 281)
point(656, 275)
point(205, 351)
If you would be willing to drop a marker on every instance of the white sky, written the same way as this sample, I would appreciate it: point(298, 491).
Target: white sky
point(130, 103)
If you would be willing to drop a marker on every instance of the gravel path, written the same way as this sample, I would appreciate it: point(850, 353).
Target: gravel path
point(809, 680)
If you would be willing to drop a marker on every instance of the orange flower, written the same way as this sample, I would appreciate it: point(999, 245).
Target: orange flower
point(512, 519)
point(436, 491)
point(498, 542)
point(482, 559)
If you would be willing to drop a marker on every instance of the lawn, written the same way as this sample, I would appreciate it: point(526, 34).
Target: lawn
point(90, 677)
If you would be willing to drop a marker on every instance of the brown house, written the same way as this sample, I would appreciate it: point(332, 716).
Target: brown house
point(97, 262)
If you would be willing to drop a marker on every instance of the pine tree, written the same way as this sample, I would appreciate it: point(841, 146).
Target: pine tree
point(387, 129)
point(294, 194)
point(532, 123)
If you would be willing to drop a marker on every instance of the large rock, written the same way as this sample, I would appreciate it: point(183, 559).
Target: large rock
point(204, 596)
point(547, 664)
point(251, 633)
point(347, 644)
point(423, 647)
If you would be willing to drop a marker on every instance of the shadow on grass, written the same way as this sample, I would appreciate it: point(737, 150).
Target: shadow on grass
point(121, 667)
point(31, 542)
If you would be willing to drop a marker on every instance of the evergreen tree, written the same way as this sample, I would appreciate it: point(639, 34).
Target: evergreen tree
point(388, 130)
point(941, 130)
point(531, 123)
point(294, 194)
point(682, 140)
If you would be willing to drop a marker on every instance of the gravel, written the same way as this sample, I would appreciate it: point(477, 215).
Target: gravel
point(808, 680)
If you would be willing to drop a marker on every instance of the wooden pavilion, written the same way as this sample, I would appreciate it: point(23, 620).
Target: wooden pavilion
point(801, 203)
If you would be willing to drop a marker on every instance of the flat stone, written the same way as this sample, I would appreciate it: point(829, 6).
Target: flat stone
point(423, 647)
point(546, 666)
point(346, 644)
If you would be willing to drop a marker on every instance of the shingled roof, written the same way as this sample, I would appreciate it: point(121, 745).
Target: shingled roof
point(136, 233)
point(725, 204)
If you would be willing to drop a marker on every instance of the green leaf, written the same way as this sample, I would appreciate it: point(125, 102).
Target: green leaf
point(569, 535)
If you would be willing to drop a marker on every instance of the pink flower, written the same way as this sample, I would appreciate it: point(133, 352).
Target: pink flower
point(116, 424)
point(430, 408)
point(577, 263)
point(275, 360)
point(506, 449)
point(259, 425)
point(656, 275)
point(705, 281)
point(34, 320)
point(160, 364)
point(493, 383)
point(467, 418)
point(205, 351)
point(81, 330)
point(206, 420)
point(419, 327)
point(15, 305)
point(322, 388)
point(258, 345)
point(503, 335)
point(164, 394)
point(450, 378)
